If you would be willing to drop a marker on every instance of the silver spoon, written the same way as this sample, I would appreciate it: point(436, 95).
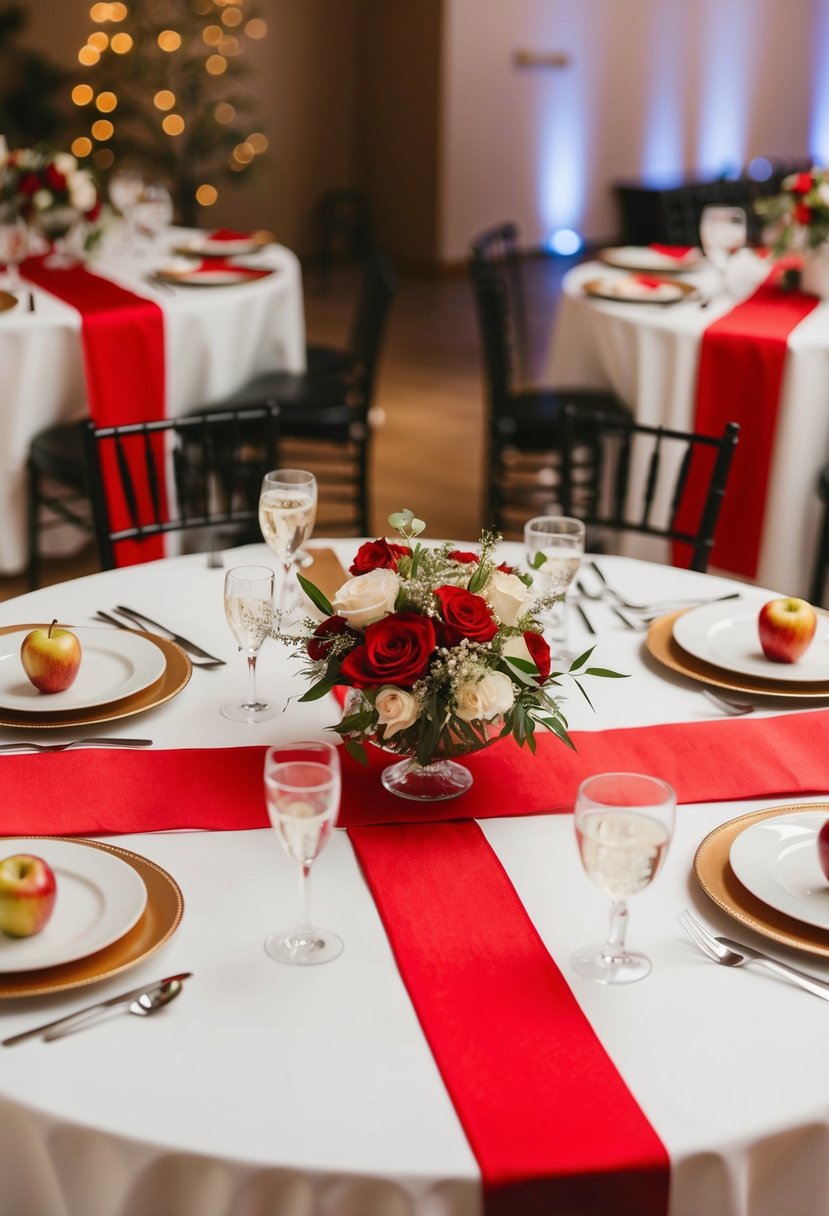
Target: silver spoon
point(144, 1006)
point(735, 708)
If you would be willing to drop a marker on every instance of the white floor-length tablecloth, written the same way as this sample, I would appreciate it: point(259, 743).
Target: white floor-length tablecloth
point(266, 1090)
point(648, 354)
point(216, 338)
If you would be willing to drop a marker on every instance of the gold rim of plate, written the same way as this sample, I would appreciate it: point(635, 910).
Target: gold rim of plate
point(666, 650)
point(680, 265)
point(596, 289)
point(253, 243)
point(7, 301)
point(177, 672)
point(714, 874)
point(156, 925)
point(201, 278)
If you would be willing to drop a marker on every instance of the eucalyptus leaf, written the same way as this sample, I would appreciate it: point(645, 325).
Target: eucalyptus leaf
point(315, 596)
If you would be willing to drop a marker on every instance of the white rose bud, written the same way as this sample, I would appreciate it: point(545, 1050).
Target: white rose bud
point(487, 698)
point(42, 200)
point(508, 597)
point(823, 193)
point(367, 598)
point(82, 192)
point(396, 710)
point(65, 163)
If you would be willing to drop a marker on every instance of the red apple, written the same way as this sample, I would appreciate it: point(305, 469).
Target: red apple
point(823, 848)
point(51, 658)
point(27, 894)
point(786, 628)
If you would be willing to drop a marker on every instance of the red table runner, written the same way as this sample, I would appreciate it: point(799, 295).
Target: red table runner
point(553, 1126)
point(123, 342)
point(741, 368)
point(111, 792)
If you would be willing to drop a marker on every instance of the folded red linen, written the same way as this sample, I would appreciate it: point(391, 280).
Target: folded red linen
point(741, 364)
point(553, 1126)
point(123, 342)
point(211, 265)
point(111, 792)
point(673, 251)
point(230, 234)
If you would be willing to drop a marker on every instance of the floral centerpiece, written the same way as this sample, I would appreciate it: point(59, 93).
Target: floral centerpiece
point(42, 185)
point(799, 215)
point(441, 652)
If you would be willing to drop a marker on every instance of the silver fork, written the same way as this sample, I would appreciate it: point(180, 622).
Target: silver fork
point(734, 954)
point(207, 665)
point(655, 605)
point(735, 708)
point(26, 746)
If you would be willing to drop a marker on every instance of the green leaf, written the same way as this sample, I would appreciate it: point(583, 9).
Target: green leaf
point(401, 519)
point(605, 671)
point(315, 596)
point(317, 691)
point(356, 751)
point(537, 560)
point(574, 666)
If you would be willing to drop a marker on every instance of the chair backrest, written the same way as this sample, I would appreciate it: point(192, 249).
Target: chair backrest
point(626, 476)
point(498, 249)
point(377, 291)
point(202, 471)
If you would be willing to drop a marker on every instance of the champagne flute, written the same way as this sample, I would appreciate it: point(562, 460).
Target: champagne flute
point(152, 211)
point(125, 187)
point(555, 546)
point(56, 224)
point(14, 245)
point(287, 511)
point(624, 823)
point(249, 612)
point(722, 231)
point(302, 791)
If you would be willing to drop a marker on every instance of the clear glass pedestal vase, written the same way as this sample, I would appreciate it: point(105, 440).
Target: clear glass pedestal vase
point(435, 782)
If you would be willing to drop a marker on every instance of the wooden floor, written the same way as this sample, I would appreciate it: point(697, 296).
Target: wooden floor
point(429, 404)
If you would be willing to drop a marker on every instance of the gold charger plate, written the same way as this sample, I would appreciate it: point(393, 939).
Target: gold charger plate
point(177, 671)
point(7, 301)
point(158, 922)
point(599, 290)
point(714, 874)
point(662, 645)
point(230, 276)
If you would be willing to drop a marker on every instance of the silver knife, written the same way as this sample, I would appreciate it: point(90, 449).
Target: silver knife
point(123, 998)
point(185, 643)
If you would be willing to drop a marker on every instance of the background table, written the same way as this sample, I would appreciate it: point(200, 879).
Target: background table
point(648, 354)
point(216, 338)
point(284, 1092)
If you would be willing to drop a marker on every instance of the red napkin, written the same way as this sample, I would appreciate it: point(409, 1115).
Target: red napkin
point(673, 251)
point(649, 280)
point(123, 341)
point(229, 234)
point(111, 792)
point(552, 1124)
point(741, 367)
point(212, 264)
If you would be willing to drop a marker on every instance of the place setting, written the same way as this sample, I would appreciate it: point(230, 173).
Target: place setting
point(652, 259)
point(54, 676)
point(74, 912)
point(639, 289)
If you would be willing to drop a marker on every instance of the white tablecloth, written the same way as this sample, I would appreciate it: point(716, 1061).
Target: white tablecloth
point(648, 354)
point(215, 340)
point(266, 1090)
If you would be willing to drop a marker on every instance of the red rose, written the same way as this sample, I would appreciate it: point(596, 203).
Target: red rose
point(802, 184)
point(397, 651)
point(803, 213)
point(377, 555)
point(28, 183)
point(461, 555)
point(318, 645)
point(94, 212)
point(465, 616)
point(54, 179)
point(539, 653)
point(506, 568)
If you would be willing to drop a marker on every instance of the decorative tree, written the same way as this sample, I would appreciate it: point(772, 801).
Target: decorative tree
point(29, 86)
point(160, 89)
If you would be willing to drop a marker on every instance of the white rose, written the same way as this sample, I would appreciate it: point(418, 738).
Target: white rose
point(396, 710)
point(508, 597)
point(823, 193)
point(65, 163)
point(517, 648)
point(367, 598)
point(487, 698)
point(42, 200)
point(82, 192)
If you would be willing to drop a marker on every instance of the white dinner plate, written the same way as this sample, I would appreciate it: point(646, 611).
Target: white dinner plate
point(216, 276)
point(777, 860)
point(631, 289)
point(728, 637)
point(206, 247)
point(642, 257)
point(114, 664)
point(99, 899)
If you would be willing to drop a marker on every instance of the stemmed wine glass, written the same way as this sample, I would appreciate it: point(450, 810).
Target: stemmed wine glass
point(624, 823)
point(249, 612)
point(302, 791)
point(287, 511)
point(125, 187)
point(152, 210)
point(56, 225)
point(722, 231)
point(554, 546)
point(14, 245)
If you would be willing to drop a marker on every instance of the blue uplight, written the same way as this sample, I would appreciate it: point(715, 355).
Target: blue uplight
point(565, 241)
point(819, 134)
point(760, 169)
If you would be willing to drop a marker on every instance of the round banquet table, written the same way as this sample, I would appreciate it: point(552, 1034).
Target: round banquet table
point(278, 1091)
point(215, 338)
point(648, 354)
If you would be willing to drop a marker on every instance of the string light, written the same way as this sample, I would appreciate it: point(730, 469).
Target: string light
point(221, 29)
